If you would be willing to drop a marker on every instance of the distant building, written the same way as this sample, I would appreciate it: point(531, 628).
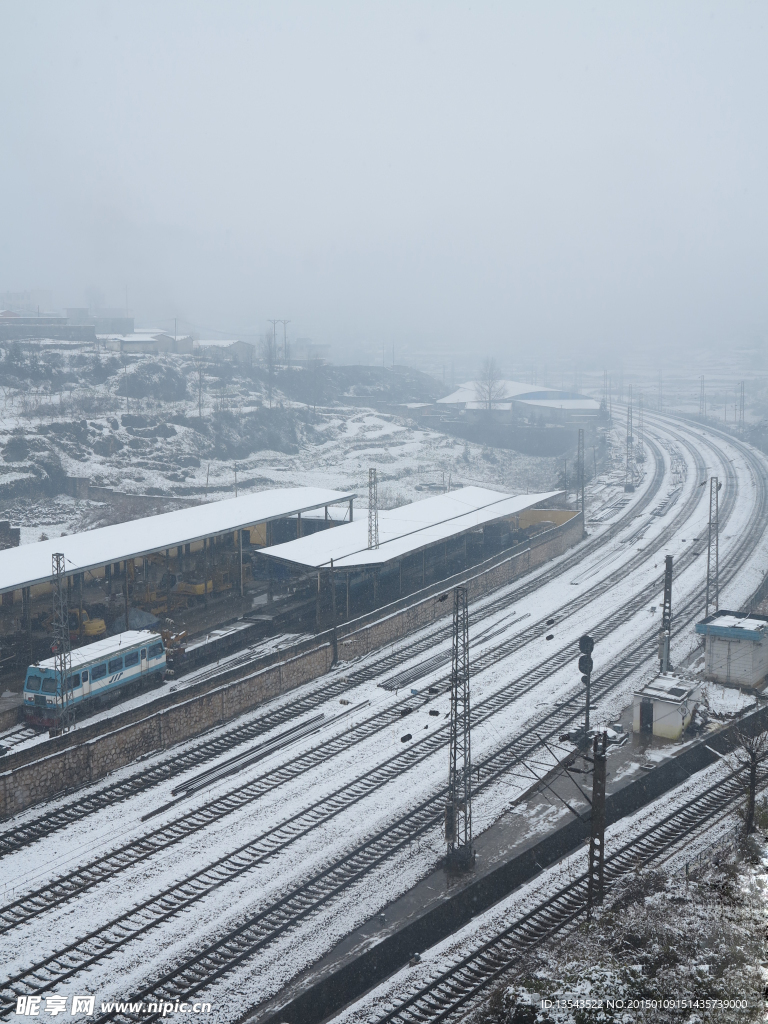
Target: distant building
point(736, 650)
point(516, 401)
point(103, 321)
point(242, 352)
point(146, 342)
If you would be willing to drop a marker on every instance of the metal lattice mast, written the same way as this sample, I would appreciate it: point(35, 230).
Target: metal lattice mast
point(580, 472)
point(665, 633)
point(712, 593)
point(629, 473)
point(458, 809)
point(62, 659)
point(373, 510)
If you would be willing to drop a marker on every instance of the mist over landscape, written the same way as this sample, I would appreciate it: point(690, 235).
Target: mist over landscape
point(435, 176)
point(384, 512)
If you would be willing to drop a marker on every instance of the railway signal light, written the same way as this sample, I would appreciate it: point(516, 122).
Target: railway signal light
point(586, 646)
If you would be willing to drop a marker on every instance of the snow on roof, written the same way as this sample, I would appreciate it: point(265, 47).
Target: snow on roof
point(31, 563)
point(470, 396)
point(404, 530)
point(734, 626)
point(218, 343)
point(468, 392)
point(669, 687)
point(101, 648)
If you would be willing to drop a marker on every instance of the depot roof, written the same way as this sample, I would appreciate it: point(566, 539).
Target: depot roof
point(404, 530)
point(31, 563)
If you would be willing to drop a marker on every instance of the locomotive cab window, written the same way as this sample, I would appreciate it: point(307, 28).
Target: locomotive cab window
point(115, 664)
point(49, 685)
point(33, 683)
point(132, 658)
point(155, 650)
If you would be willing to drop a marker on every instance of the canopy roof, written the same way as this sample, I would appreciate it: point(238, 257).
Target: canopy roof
point(31, 563)
point(404, 530)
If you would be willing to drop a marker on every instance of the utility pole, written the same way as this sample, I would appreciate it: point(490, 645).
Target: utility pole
point(285, 340)
point(713, 582)
point(274, 334)
point(595, 884)
point(458, 809)
point(629, 473)
point(373, 510)
point(580, 475)
point(665, 633)
point(62, 660)
point(334, 638)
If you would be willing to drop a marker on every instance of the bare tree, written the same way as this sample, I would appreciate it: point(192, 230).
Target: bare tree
point(751, 750)
point(489, 386)
point(269, 355)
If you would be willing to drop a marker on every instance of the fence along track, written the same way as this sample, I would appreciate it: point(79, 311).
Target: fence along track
point(107, 866)
point(467, 978)
point(308, 897)
point(25, 834)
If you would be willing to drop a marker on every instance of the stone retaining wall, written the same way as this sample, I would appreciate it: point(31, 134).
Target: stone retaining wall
point(76, 766)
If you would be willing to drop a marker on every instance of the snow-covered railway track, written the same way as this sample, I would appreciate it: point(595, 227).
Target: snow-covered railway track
point(89, 874)
point(456, 988)
point(306, 898)
point(200, 970)
point(34, 829)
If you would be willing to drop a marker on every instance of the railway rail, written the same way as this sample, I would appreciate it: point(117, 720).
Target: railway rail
point(92, 873)
point(458, 986)
point(220, 957)
point(40, 827)
point(304, 901)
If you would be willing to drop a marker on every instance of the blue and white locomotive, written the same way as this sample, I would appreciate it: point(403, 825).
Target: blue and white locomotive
point(116, 663)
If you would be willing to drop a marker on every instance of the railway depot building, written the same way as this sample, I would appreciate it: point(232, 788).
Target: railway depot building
point(736, 648)
point(374, 561)
point(194, 566)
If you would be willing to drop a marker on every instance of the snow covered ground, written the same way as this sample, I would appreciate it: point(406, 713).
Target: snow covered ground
point(248, 894)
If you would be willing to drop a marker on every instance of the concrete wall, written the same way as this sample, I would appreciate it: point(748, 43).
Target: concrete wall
point(78, 765)
point(68, 762)
point(736, 661)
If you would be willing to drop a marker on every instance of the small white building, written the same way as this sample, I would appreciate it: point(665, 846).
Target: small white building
point(736, 647)
point(665, 706)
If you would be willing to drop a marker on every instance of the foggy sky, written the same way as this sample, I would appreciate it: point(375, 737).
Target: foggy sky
point(448, 177)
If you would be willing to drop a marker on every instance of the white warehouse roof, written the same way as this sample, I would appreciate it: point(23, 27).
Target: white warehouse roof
point(469, 396)
point(404, 530)
point(31, 563)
